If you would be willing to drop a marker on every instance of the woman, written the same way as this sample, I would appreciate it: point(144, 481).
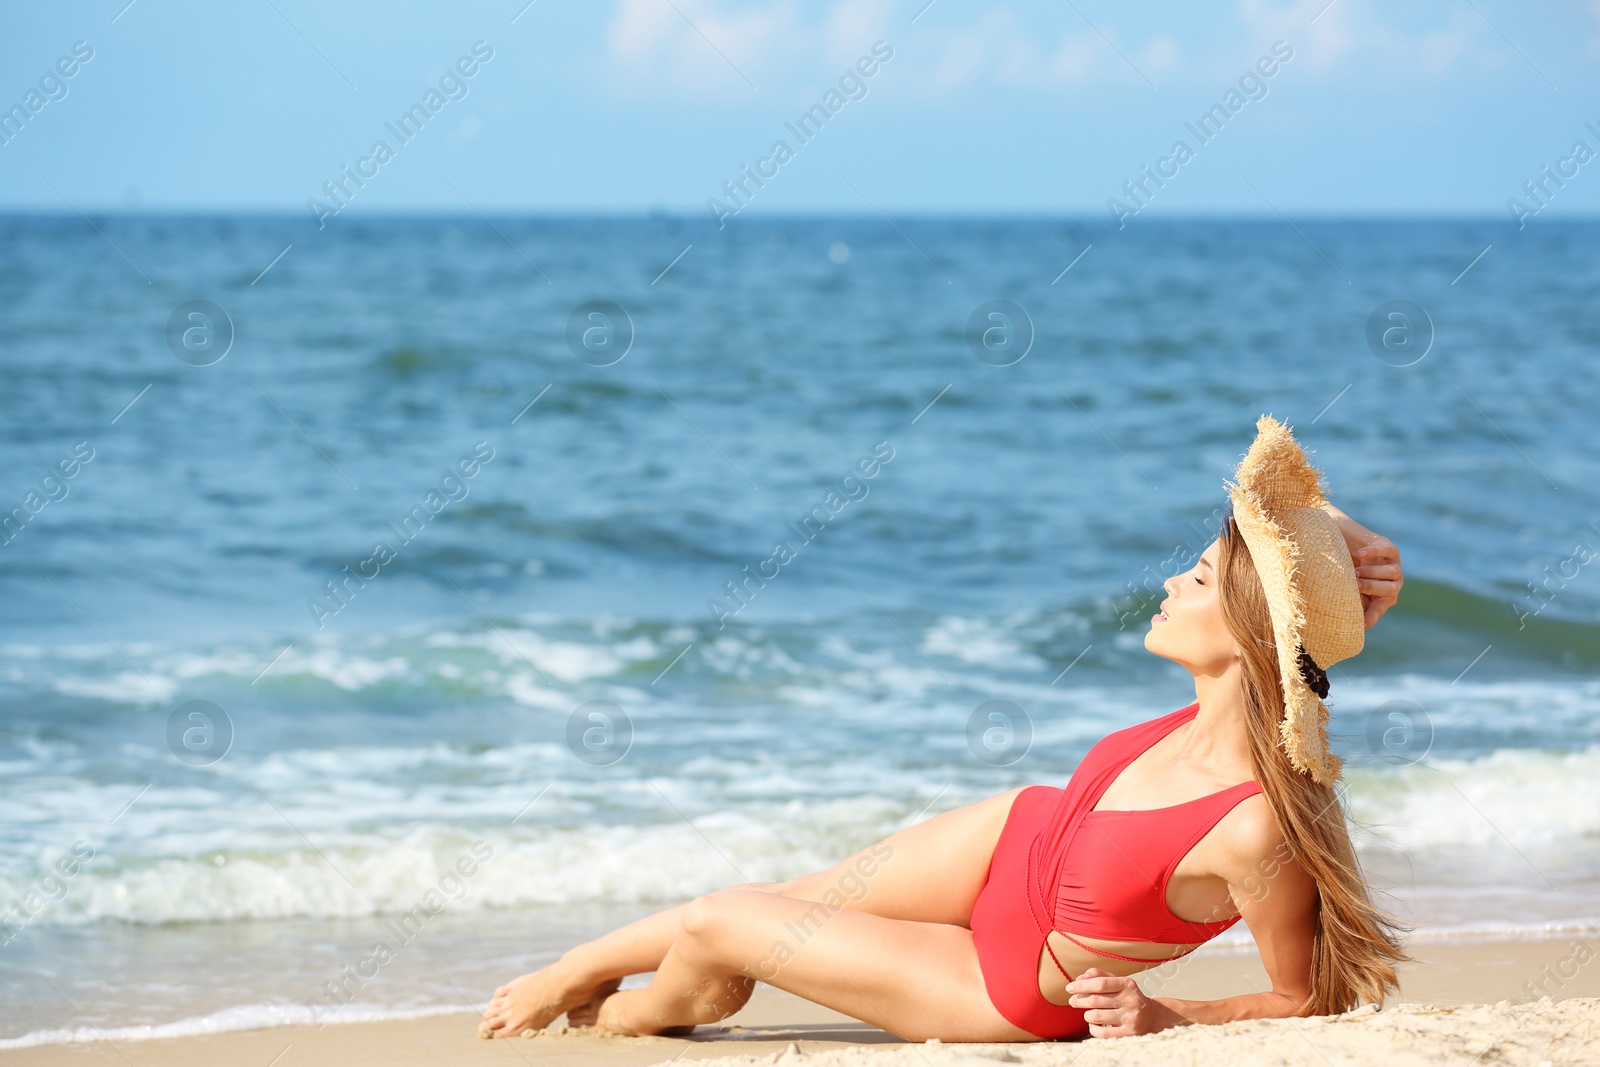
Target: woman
point(1023, 917)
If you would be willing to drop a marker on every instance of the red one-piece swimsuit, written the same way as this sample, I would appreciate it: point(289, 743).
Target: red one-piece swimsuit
point(1060, 865)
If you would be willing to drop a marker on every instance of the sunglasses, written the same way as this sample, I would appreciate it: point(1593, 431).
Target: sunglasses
point(1225, 528)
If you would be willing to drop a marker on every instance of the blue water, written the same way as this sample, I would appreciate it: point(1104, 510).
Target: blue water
point(1008, 545)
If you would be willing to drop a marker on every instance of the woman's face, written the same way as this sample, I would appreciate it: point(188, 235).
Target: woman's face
point(1190, 629)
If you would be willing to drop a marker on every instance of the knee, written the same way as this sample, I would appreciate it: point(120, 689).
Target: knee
point(698, 916)
point(708, 932)
point(706, 916)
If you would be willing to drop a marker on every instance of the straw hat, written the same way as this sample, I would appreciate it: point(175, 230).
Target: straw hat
point(1310, 585)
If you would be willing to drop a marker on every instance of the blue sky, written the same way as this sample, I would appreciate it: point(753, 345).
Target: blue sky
point(638, 105)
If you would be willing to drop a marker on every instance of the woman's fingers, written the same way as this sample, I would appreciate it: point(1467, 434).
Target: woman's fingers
point(1098, 990)
point(1378, 554)
point(1379, 577)
point(1094, 980)
point(1095, 1001)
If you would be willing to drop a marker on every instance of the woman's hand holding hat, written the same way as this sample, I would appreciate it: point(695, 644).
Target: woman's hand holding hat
point(1377, 562)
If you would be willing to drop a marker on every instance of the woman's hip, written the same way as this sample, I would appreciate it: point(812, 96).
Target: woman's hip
point(1006, 932)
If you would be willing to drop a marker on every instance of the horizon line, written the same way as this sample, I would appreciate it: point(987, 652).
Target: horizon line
point(1097, 216)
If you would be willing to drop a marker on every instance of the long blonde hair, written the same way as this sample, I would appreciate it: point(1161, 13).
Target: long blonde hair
point(1356, 944)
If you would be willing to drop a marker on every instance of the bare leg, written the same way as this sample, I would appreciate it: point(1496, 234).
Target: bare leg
point(930, 872)
point(916, 980)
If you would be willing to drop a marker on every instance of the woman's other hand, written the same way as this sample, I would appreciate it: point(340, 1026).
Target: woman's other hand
point(1115, 1006)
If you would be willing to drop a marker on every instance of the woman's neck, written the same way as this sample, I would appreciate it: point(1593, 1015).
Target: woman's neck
point(1218, 738)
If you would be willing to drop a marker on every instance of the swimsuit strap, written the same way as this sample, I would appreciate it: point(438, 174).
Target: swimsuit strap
point(1057, 960)
point(1103, 952)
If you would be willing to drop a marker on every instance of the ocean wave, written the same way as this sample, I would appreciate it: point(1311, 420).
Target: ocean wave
point(1432, 634)
point(1525, 796)
point(979, 642)
point(630, 839)
point(376, 874)
point(471, 662)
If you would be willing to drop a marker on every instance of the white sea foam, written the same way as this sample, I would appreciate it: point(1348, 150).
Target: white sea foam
point(124, 688)
point(1526, 796)
point(381, 841)
point(241, 1017)
point(979, 642)
point(568, 661)
point(348, 672)
point(389, 814)
point(254, 872)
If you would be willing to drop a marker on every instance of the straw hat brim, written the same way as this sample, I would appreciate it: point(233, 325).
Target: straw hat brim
point(1277, 496)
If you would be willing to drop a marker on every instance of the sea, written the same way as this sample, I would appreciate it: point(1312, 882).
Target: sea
point(473, 585)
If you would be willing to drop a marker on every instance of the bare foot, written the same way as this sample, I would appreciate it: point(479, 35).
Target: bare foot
point(611, 1017)
point(534, 1000)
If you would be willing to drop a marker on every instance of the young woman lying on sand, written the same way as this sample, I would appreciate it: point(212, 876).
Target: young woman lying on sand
point(974, 923)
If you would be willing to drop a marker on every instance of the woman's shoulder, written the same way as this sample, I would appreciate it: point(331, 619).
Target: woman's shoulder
point(1249, 833)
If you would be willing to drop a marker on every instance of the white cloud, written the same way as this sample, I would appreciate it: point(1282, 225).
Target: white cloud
point(652, 45)
point(1440, 52)
point(1354, 36)
point(1074, 58)
point(1002, 49)
point(1318, 45)
point(852, 25)
point(638, 27)
point(1160, 57)
point(694, 44)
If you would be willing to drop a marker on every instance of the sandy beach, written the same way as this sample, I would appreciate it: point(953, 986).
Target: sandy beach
point(1459, 1002)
